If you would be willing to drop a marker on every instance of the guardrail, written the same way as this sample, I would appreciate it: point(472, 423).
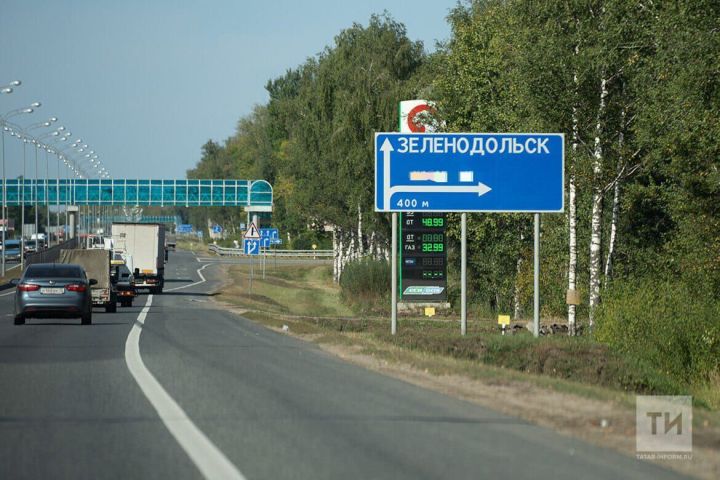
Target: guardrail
point(309, 254)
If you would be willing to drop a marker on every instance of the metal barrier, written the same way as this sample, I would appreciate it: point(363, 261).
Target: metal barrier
point(311, 254)
point(52, 254)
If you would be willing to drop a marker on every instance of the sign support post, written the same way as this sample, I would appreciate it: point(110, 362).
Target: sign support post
point(393, 277)
point(536, 280)
point(251, 273)
point(463, 273)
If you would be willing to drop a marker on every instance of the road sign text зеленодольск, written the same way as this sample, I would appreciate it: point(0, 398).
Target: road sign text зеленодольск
point(469, 172)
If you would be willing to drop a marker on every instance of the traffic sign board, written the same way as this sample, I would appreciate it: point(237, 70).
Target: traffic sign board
point(184, 228)
point(272, 233)
point(252, 232)
point(251, 247)
point(217, 229)
point(469, 172)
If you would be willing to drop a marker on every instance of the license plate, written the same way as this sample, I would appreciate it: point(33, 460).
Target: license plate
point(52, 291)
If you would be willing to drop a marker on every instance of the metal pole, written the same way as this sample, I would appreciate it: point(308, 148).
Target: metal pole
point(264, 258)
point(37, 218)
point(4, 202)
point(393, 276)
point(47, 200)
point(463, 273)
point(536, 300)
point(57, 202)
point(252, 271)
point(22, 215)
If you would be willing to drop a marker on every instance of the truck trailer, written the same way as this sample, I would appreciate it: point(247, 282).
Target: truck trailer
point(145, 243)
point(97, 265)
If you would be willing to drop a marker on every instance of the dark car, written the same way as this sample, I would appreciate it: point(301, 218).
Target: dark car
point(11, 250)
point(124, 281)
point(48, 290)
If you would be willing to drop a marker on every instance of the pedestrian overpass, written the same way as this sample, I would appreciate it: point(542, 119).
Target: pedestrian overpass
point(254, 195)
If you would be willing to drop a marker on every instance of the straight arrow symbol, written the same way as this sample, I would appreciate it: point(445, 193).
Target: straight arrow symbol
point(386, 148)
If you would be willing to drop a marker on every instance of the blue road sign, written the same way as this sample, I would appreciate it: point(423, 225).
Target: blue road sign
point(184, 228)
point(469, 172)
point(217, 229)
point(251, 247)
point(276, 241)
point(272, 233)
point(265, 242)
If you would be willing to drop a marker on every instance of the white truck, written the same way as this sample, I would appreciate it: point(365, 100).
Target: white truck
point(145, 243)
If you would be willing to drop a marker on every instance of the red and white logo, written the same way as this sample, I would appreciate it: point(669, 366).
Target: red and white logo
point(416, 116)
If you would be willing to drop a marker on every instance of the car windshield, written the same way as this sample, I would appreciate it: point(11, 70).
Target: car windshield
point(53, 271)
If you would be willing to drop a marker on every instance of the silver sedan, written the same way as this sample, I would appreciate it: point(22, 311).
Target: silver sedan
point(53, 290)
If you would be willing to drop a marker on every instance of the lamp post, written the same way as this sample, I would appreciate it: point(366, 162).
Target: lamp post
point(8, 115)
point(54, 151)
point(36, 142)
point(59, 132)
point(8, 89)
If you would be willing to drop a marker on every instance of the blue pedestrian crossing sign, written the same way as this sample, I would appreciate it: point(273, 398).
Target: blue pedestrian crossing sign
point(469, 172)
point(251, 247)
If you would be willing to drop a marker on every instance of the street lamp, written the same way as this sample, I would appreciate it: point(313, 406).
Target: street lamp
point(3, 121)
point(53, 149)
point(36, 142)
point(59, 134)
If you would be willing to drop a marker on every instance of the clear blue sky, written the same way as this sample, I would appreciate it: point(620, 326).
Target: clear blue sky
point(147, 83)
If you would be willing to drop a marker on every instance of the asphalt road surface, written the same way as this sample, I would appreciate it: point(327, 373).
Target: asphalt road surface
point(175, 387)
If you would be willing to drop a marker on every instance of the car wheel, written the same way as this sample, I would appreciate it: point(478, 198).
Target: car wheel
point(19, 320)
point(87, 318)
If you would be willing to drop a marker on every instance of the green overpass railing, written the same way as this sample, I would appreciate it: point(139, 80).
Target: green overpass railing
point(162, 193)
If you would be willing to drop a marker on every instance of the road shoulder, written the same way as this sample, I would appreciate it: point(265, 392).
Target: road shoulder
point(595, 415)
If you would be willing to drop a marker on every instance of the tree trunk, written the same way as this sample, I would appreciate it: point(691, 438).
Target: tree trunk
point(572, 207)
point(361, 247)
point(336, 275)
point(613, 231)
point(339, 254)
point(517, 305)
point(597, 204)
point(616, 197)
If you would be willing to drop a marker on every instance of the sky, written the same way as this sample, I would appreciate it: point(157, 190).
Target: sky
point(146, 83)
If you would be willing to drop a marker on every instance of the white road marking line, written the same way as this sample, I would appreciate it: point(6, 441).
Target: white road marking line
point(191, 284)
point(12, 292)
point(211, 462)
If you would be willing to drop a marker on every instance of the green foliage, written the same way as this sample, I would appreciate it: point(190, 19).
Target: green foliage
point(365, 284)
point(516, 66)
point(672, 326)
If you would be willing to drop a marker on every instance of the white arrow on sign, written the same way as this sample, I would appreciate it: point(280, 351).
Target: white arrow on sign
point(480, 189)
point(386, 148)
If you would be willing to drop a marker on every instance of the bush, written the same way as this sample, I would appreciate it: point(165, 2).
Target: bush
point(673, 327)
point(365, 283)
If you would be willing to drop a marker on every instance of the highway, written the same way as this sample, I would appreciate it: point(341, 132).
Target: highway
point(175, 387)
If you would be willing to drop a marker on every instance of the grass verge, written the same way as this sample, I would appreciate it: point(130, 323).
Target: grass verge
point(305, 299)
